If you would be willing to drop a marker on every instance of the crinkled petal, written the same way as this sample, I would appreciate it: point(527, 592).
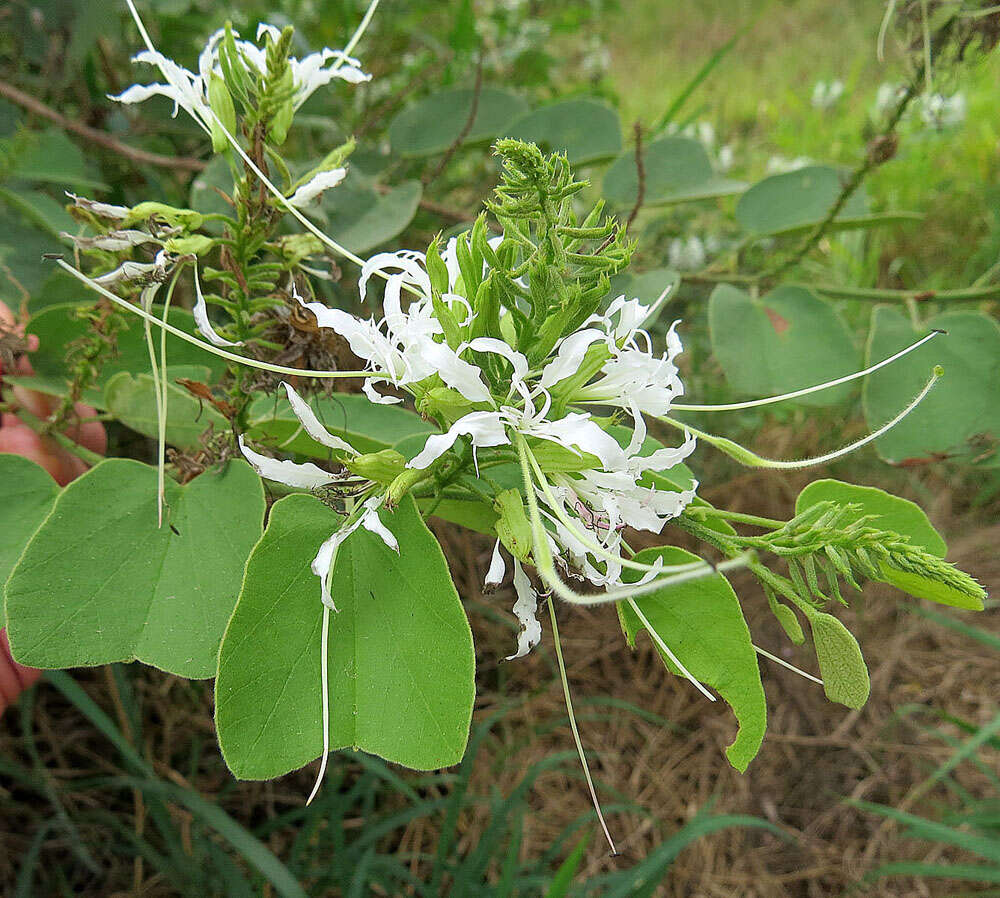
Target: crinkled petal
point(485, 428)
point(518, 360)
point(498, 569)
point(102, 210)
point(373, 523)
point(570, 355)
point(454, 371)
point(524, 609)
point(324, 180)
point(368, 388)
point(305, 476)
point(313, 426)
point(201, 319)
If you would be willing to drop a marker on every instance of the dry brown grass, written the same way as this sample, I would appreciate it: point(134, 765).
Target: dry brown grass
point(815, 754)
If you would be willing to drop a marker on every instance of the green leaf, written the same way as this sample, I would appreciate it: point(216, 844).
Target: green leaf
point(845, 674)
point(100, 582)
point(401, 658)
point(792, 200)
point(784, 341)
point(677, 169)
point(961, 415)
point(27, 492)
point(367, 426)
point(205, 196)
point(58, 326)
point(21, 247)
point(646, 286)
point(40, 209)
point(132, 400)
point(888, 512)
point(702, 623)
point(55, 159)
point(433, 124)
point(585, 130)
point(363, 218)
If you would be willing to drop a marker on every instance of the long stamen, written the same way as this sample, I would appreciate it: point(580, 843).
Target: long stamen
point(547, 570)
point(325, 687)
point(593, 546)
point(805, 391)
point(161, 429)
point(208, 347)
point(147, 300)
point(752, 460)
point(573, 727)
point(666, 650)
point(784, 663)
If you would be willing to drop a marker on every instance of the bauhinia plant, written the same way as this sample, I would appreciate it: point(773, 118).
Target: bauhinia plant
point(503, 388)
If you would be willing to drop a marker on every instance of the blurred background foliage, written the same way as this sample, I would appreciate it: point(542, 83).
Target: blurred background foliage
point(748, 118)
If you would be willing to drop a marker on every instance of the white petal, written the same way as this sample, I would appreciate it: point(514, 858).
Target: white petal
point(578, 431)
point(324, 559)
point(455, 372)
point(316, 185)
point(371, 522)
point(570, 355)
point(485, 428)
point(114, 241)
point(200, 312)
point(263, 28)
point(311, 424)
point(305, 476)
point(524, 609)
point(104, 210)
point(517, 359)
point(498, 569)
point(368, 388)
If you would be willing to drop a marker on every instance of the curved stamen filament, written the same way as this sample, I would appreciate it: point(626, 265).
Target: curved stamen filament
point(591, 545)
point(208, 347)
point(751, 459)
point(805, 391)
point(784, 663)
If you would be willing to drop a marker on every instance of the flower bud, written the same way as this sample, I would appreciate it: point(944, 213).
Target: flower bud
point(381, 467)
point(221, 103)
point(174, 217)
point(193, 245)
point(443, 404)
point(513, 527)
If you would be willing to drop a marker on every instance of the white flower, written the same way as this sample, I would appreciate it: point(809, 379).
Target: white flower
point(526, 605)
point(324, 180)
point(189, 91)
point(113, 241)
point(154, 272)
point(887, 97)
point(687, 254)
point(305, 476)
point(939, 111)
point(201, 320)
point(102, 210)
point(825, 95)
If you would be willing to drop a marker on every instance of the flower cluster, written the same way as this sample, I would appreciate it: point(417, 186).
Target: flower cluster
point(487, 395)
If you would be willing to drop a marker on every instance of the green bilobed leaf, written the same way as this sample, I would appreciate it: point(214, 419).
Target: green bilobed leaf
point(132, 400)
point(961, 416)
point(367, 426)
point(585, 130)
point(363, 218)
point(57, 326)
point(702, 623)
point(100, 582)
point(888, 512)
point(205, 196)
point(433, 124)
point(845, 674)
point(401, 661)
point(784, 341)
point(27, 492)
point(677, 169)
point(791, 200)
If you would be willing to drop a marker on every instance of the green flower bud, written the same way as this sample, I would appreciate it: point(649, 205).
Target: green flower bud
point(221, 103)
point(381, 467)
point(175, 218)
point(193, 245)
point(444, 404)
point(436, 269)
point(512, 526)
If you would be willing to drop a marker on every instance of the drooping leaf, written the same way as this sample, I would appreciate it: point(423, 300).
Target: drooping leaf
point(27, 492)
point(785, 202)
point(401, 659)
point(55, 159)
point(363, 218)
point(783, 341)
point(677, 169)
point(100, 582)
point(367, 426)
point(702, 623)
point(585, 130)
point(132, 400)
point(845, 674)
point(961, 416)
point(59, 326)
point(432, 124)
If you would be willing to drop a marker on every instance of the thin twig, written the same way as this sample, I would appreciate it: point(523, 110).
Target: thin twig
point(877, 294)
point(872, 160)
point(185, 163)
point(640, 168)
point(466, 128)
